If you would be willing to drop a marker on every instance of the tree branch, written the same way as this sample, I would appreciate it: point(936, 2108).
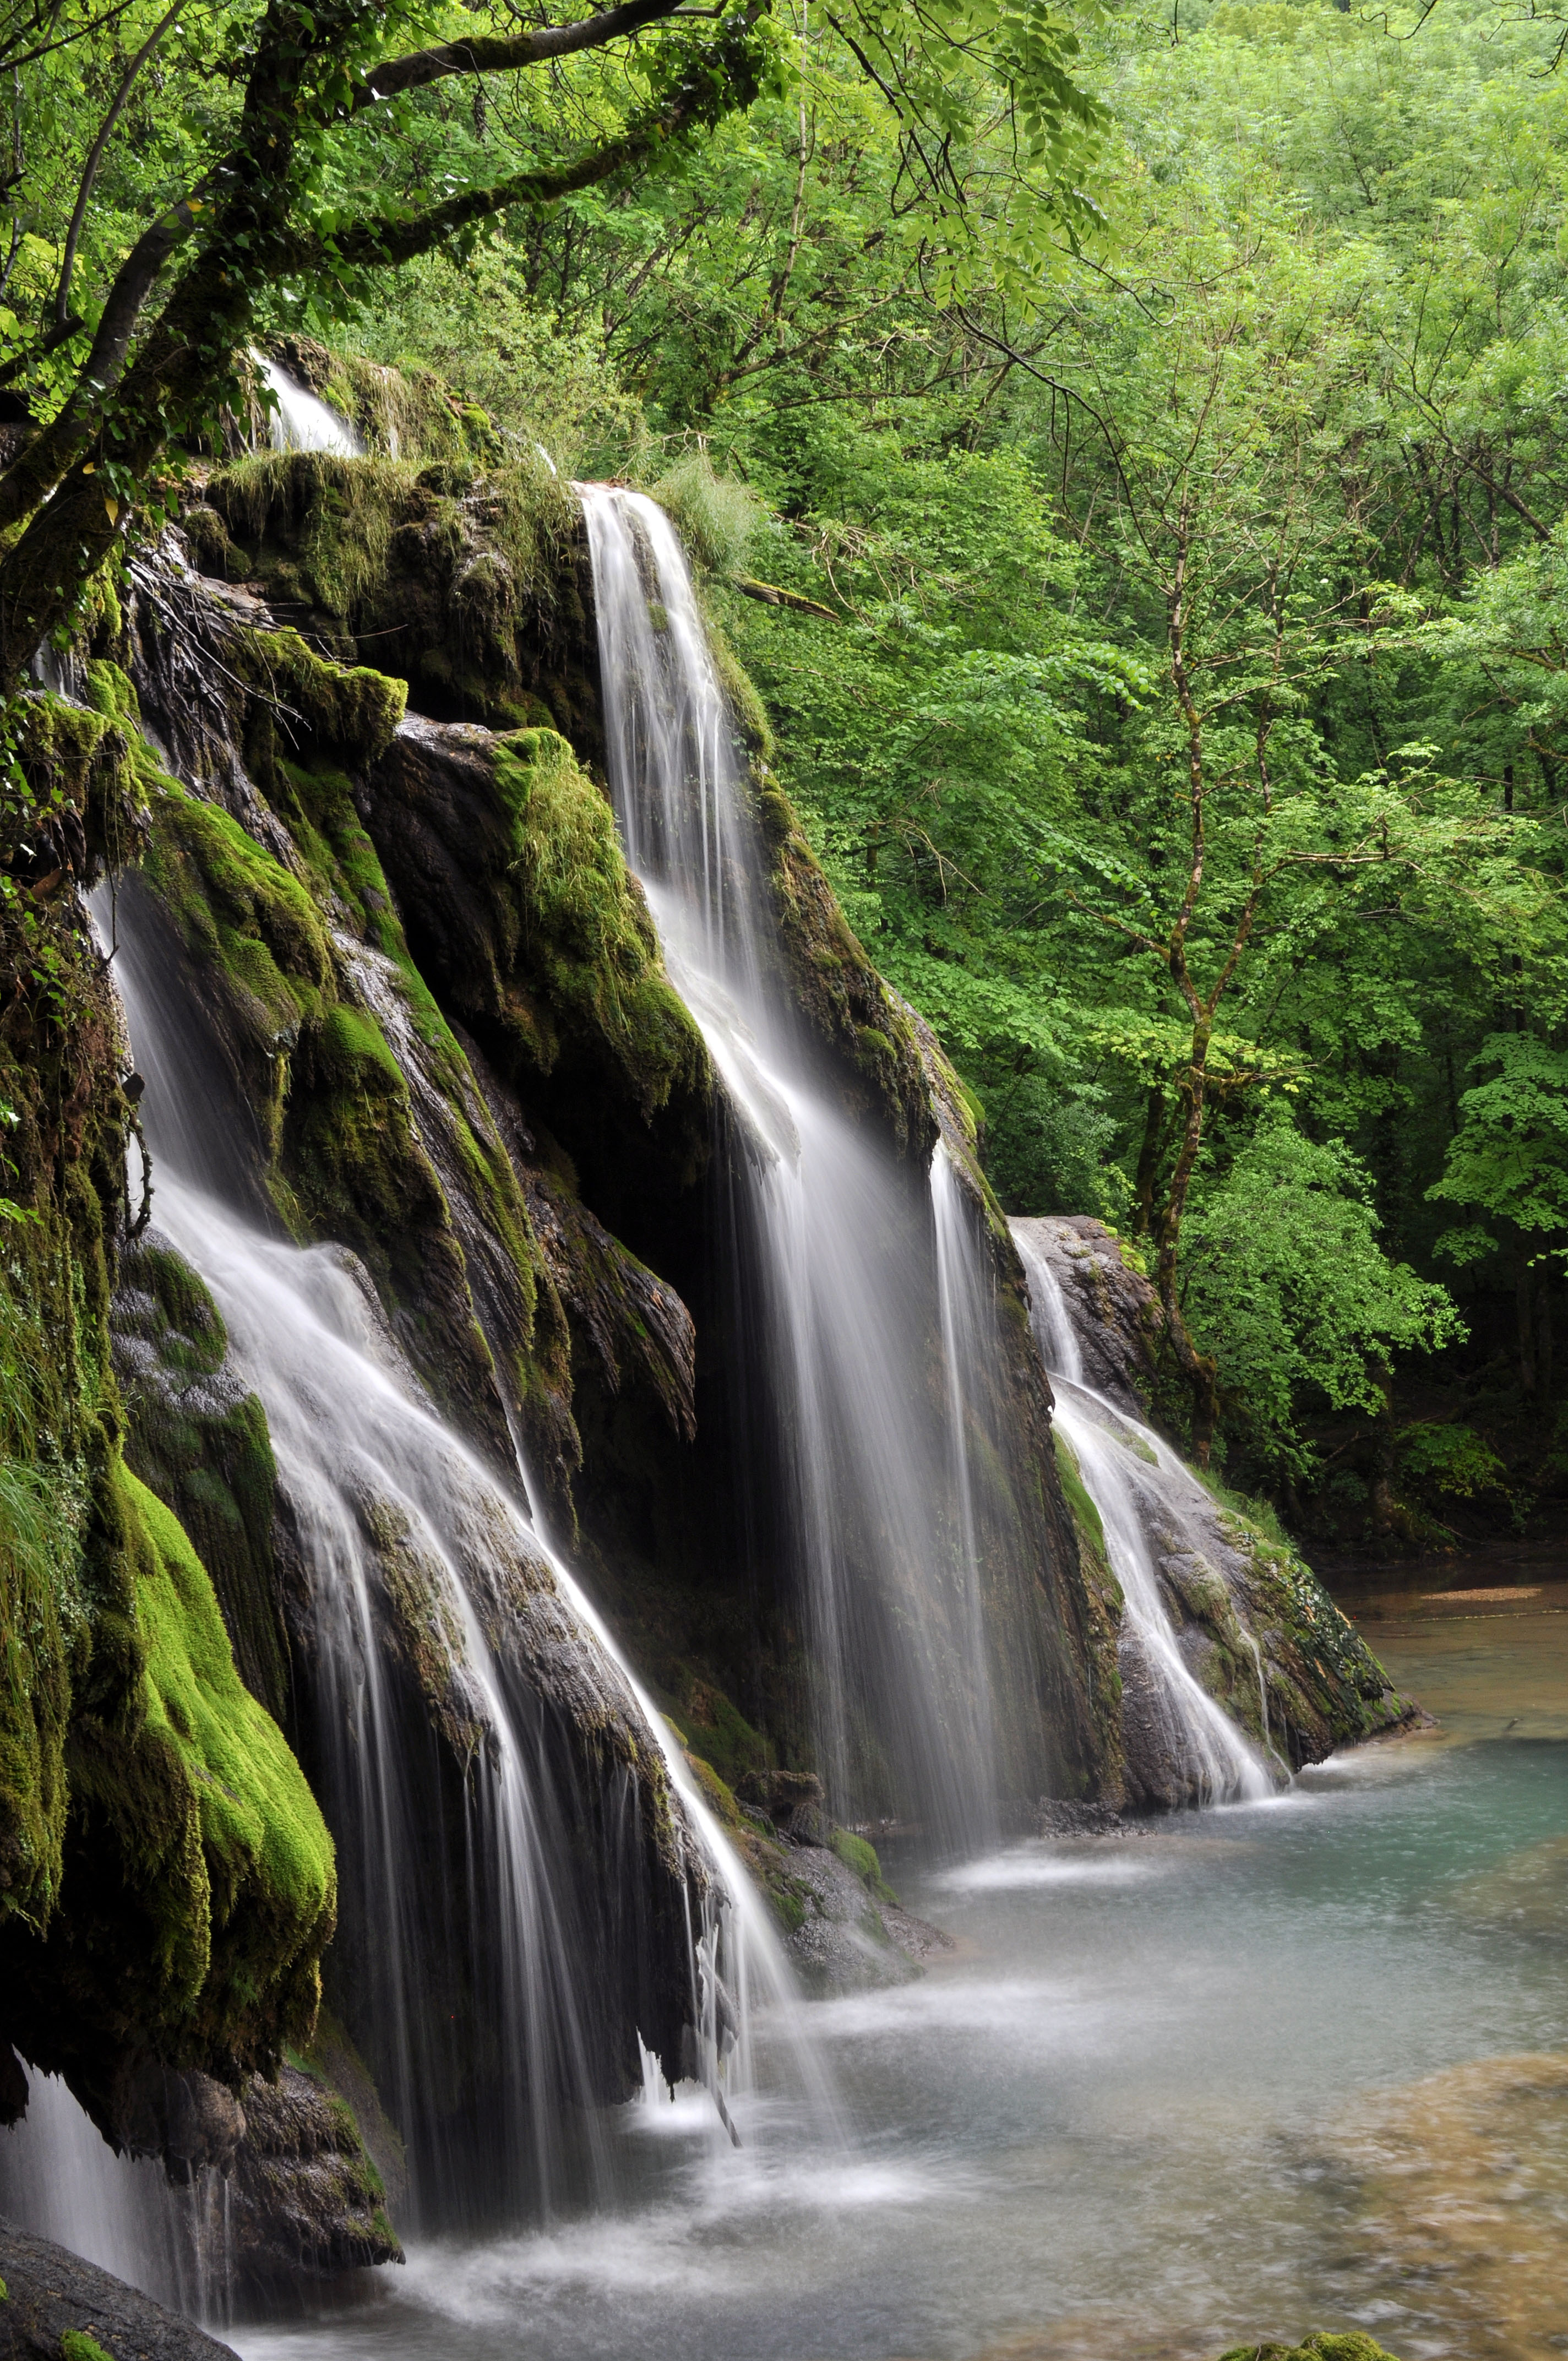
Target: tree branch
point(700, 97)
point(95, 157)
point(504, 53)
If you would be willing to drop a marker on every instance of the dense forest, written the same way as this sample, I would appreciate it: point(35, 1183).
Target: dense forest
point(1128, 458)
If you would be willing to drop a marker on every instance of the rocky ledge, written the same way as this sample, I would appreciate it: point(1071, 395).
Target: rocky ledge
point(52, 2304)
point(844, 1926)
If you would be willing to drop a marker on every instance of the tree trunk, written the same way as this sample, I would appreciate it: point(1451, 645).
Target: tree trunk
point(1524, 1302)
point(1385, 1508)
point(1198, 1368)
point(1148, 1160)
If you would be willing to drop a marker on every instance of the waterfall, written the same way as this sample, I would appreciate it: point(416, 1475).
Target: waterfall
point(380, 1496)
point(60, 2176)
point(844, 1247)
point(302, 422)
point(967, 1310)
point(1143, 1493)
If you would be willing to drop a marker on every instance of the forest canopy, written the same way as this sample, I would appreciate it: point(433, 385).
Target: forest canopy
point(1127, 448)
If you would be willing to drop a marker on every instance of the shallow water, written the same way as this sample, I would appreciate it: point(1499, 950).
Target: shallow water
point(1155, 2103)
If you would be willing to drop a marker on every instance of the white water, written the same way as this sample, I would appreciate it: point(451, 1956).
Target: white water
point(361, 1453)
point(302, 422)
point(355, 1438)
point(845, 1245)
point(1143, 1490)
point(967, 1314)
point(63, 2181)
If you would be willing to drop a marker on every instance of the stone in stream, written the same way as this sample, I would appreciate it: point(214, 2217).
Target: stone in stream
point(1355, 2347)
point(55, 2304)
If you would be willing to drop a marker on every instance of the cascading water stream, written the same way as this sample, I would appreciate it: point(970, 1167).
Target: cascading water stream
point(371, 1476)
point(967, 1312)
point(1142, 1489)
point(848, 1283)
point(302, 422)
point(367, 1467)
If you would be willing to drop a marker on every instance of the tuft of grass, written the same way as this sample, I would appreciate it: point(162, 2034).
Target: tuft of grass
point(715, 516)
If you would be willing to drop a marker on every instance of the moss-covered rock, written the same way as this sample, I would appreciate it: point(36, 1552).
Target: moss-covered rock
point(462, 580)
point(53, 2302)
point(843, 998)
point(409, 412)
point(198, 1438)
point(306, 2200)
point(220, 1847)
point(1353, 2345)
point(503, 859)
point(166, 1881)
point(1258, 1629)
point(583, 939)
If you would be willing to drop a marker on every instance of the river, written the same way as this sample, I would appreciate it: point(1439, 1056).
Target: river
point(1280, 2064)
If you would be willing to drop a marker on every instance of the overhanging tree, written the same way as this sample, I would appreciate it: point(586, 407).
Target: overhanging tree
point(290, 190)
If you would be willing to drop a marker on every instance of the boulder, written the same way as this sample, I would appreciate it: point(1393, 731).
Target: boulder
point(55, 2303)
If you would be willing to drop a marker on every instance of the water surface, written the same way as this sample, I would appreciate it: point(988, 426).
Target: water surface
point(1160, 2097)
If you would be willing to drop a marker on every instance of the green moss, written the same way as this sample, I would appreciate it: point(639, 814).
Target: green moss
point(788, 1907)
point(84, 757)
point(347, 1146)
point(208, 1456)
point(347, 707)
point(716, 1794)
point(589, 937)
point(716, 1727)
point(50, 1381)
point(241, 909)
point(1085, 1515)
point(407, 413)
point(1349, 1692)
point(354, 1050)
point(747, 711)
point(857, 1854)
point(319, 806)
point(338, 514)
point(1356, 2346)
point(40, 1614)
point(256, 1910)
point(76, 2345)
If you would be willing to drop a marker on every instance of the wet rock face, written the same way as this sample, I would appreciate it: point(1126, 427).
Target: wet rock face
point(306, 2201)
point(844, 1926)
point(52, 2294)
point(1254, 1626)
point(850, 1939)
point(503, 858)
point(188, 2120)
point(1116, 1313)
